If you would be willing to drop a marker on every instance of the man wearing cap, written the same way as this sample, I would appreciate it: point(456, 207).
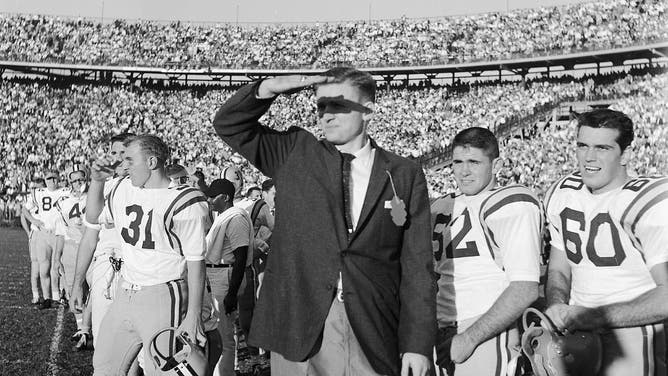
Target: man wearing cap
point(229, 249)
point(349, 287)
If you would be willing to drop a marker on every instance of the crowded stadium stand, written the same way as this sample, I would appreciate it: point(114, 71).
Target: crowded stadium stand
point(66, 85)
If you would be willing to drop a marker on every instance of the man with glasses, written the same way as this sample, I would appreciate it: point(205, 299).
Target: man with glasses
point(69, 231)
point(43, 240)
point(177, 174)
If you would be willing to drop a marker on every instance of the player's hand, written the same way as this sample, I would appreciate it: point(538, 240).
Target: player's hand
point(76, 298)
point(414, 364)
point(191, 327)
point(103, 168)
point(462, 347)
point(57, 267)
point(573, 317)
point(289, 84)
point(230, 303)
point(558, 314)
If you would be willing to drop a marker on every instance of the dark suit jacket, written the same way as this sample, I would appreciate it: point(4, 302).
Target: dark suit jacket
point(386, 269)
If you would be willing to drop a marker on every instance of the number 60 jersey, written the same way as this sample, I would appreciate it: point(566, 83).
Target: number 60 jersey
point(160, 229)
point(482, 243)
point(612, 239)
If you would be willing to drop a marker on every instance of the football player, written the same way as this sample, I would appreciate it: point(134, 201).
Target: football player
point(43, 240)
point(487, 242)
point(163, 239)
point(98, 257)
point(34, 262)
point(69, 231)
point(608, 268)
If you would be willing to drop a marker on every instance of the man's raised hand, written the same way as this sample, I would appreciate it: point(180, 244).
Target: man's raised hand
point(103, 168)
point(289, 84)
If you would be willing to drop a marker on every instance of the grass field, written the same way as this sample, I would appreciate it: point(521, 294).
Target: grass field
point(38, 342)
point(33, 342)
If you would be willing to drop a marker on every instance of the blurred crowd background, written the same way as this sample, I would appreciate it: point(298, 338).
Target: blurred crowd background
point(59, 124)
point(402, 42)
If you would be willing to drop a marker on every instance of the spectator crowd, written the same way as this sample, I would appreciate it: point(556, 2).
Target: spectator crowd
point(372, 43)
point(47, 126)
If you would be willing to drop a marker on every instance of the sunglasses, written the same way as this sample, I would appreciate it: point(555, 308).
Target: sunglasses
point(339, 105)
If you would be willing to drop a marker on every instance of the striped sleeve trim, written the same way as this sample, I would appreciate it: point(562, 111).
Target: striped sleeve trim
point(655, 193)
point(499, 199)
point(185, 198)
point(112, 194)
point(506, 196)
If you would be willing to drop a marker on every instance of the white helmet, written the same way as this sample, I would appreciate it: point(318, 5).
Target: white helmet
point(192, 360)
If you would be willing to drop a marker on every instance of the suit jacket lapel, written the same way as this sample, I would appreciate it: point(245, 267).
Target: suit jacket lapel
point(377, 184)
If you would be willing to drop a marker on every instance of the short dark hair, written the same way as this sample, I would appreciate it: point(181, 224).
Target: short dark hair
point(479, 138)
point(251, 189)
point(151, 146)
point(606, 118)
point(39, 181)
point(363, 81)
point(121, 137)
point(267, 185)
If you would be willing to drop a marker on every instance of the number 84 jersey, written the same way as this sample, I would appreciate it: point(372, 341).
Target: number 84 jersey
point(482, 243)
point(612, 239)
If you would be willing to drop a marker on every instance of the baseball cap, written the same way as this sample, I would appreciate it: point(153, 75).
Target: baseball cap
point(220, 186)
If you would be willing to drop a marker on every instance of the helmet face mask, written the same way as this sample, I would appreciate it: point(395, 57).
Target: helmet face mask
point(552, 353)
point(192, 360)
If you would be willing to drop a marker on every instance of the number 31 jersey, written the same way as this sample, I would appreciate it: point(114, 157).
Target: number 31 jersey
point(481, 243)
point(612, 239)
point(160, 229)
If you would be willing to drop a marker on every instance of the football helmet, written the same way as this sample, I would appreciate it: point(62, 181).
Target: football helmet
point(192, 360)
point(553, 353)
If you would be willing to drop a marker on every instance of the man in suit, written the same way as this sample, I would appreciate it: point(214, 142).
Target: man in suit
point(349, 288)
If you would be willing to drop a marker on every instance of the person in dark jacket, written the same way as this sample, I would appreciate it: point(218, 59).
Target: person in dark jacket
point(349, 288)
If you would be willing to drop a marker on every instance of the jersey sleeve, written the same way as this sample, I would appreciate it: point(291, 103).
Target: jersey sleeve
point(652, 233)
point(512, 220)
point(31, 202)
point(516, 230)
point(190, 222)
point(238, 232)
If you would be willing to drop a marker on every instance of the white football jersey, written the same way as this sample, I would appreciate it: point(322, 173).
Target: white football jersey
point(71, 210)
point(43, 201)
point(109, 241)
point(160, 230)
point(611, 239)
point(481, 243)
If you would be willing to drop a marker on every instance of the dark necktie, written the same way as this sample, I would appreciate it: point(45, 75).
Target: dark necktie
point(347, 199)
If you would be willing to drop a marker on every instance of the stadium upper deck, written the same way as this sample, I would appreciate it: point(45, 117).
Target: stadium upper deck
point(383, 43)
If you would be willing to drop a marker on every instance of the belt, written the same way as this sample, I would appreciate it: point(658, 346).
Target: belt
point(218, 265)
point(131, 286)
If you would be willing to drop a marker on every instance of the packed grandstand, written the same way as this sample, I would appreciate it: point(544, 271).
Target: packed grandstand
point(56, 123)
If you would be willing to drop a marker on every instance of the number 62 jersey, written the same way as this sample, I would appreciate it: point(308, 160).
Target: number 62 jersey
point(482, 243)
point(612, 239)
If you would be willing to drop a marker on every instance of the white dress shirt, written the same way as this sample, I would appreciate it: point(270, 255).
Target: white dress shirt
point(360, 174)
